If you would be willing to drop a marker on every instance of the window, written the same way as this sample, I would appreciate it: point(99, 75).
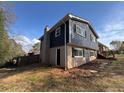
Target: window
point(77, 52)
point(83, 52)
point(92, 38)
point(79, 30)
point(92, 53)
point(58, 32)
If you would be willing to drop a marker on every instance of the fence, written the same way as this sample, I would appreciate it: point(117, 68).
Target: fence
point(26, 60)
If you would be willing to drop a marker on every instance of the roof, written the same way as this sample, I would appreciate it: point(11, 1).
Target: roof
point(41, 38)
point(71, 16)
point(102, 44)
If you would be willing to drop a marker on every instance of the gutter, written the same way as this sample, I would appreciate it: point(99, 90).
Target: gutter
point(65, 46)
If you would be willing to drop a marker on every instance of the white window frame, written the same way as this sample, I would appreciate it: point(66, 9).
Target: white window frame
point(93, 38)
point(79, 49)
point(93, 52)
point(83, 31)
point(58, 32)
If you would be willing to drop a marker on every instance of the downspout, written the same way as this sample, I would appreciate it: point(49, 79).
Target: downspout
point(65, 46)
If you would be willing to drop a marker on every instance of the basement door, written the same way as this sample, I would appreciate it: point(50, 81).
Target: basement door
point(58, 57)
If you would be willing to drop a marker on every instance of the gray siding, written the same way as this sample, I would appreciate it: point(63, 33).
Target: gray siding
point(79, 40)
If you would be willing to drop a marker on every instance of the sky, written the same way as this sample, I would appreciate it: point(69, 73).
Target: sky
point(107, 19)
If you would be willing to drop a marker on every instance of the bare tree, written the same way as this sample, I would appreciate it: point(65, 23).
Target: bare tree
point(115, 45)
point(36, 48)
point(6, 19)
point(9, 16)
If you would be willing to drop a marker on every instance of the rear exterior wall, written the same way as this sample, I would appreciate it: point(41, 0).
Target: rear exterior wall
point(53, 53)
point(74, 61)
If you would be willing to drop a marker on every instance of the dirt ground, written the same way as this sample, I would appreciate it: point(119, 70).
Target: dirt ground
point(101, 75)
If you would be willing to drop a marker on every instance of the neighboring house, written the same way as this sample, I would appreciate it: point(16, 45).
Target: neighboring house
point(71, 42)
point(103, 49)
point(122, 48)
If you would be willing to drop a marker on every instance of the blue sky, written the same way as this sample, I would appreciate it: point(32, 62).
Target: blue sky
point(106, 17)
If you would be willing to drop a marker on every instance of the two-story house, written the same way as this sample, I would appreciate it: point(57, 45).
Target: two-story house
point(71, 42)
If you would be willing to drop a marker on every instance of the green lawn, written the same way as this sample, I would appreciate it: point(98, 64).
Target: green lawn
point(95, 77)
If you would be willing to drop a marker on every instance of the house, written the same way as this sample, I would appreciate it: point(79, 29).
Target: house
point(122, 47)
point(103, 50)
point(71, 42)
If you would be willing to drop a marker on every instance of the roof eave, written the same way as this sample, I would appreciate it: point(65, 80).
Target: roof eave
point(59, 22)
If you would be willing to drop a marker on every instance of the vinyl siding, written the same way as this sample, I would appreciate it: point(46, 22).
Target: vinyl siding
point(80, 40)
point(59, 41)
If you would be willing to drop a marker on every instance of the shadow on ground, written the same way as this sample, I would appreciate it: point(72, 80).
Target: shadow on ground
point(10, 71)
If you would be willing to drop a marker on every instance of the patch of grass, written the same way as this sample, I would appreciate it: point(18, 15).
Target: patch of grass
point(51, 82)
point(101, 86)
point(67, 84)
point(44, 69)
point(33, 79)
point(120, 55)
point(115, 62)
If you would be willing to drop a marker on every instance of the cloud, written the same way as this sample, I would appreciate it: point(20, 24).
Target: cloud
point(34, 41)
point(25, 42)
point(112, 31)
point(113, 27)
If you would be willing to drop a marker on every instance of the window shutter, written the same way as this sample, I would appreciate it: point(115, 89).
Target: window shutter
point(74, 28)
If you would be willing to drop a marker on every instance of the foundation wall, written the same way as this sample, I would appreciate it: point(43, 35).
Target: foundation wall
point(77, 61)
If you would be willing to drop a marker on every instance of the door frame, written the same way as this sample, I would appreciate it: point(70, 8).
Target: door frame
point(56, 56)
